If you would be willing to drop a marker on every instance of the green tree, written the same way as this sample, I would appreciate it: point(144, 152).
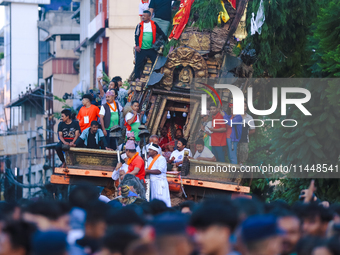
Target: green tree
point(281, 46)
point(325, 42)
point(317, 141)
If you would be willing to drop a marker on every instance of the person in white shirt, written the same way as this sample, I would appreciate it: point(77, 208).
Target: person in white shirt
point(120, 169)
point(177, 156)
point(132, 120)
point(110, 116)
point(152, 140)
point(157, 167)
point(202, 152)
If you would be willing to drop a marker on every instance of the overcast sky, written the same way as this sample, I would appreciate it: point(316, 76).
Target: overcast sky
point(2, 16)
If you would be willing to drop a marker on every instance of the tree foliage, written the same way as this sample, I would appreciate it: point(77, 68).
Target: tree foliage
point(298, 36)
point(204, 13)
point(281, 46)
point(325, 41)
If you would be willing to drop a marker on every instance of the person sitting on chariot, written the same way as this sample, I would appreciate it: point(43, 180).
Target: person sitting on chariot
point(177, 156)
point(92, 138)
point(152, 140)
point(202, 152)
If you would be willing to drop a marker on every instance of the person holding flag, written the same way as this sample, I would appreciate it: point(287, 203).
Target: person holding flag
point(157, 168)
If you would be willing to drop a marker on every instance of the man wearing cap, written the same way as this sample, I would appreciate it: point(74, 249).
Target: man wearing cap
point(135, 162)
point(87, 113)
point(152, 140)
point(157, 167)
point(110, 116)
point(145, 37)
point(130, 136)
point(120, 169)
point(261, 235)
point(177, 156)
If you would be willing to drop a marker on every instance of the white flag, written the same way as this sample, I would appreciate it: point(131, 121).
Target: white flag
point(257, 23)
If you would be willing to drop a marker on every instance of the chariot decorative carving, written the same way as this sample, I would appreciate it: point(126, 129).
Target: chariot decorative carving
point(183, 65)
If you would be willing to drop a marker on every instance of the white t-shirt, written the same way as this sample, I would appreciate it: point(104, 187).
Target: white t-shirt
point(147, 27)
point(143, 7)
point(102, 109)
point(128, 116)
point(206, 153)
point(179, 155)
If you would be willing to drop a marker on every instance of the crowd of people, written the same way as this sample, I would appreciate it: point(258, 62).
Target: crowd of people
point(214, 226)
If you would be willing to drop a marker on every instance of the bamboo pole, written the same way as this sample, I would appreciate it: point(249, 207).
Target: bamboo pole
point(192, 115)
point(159, 116)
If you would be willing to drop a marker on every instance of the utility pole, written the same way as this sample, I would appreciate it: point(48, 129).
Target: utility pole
point(30, 163)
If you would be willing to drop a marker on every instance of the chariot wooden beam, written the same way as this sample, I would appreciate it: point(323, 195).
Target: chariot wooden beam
point(159, 116)
point(211, 185)
point(177, 109)
point(83, 172)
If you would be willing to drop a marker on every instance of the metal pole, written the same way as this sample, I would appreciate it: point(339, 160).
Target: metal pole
point(30, 163)
point(16, 186)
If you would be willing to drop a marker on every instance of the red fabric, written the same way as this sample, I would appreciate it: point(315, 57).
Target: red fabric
point(162, 141)
point(153, 26)
point(128, 127)
point(218, 138)
point(181, 19)
point(233, 3)
point(138, 162)
point(92, 112)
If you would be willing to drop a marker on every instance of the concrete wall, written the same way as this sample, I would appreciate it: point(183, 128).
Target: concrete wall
point(123, 19)
point(59, 22)
point(24, 50)
point(35, 140)
point(63, 83)
point(86, 58)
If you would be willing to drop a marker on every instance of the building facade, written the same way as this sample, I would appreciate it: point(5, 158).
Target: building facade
point(52, 65)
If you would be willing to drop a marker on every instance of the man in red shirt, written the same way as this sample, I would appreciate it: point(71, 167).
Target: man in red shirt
point(135, 162)
point(87, 113)
point(219, 135)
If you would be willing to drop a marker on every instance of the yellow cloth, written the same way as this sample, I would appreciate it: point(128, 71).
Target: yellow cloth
point(223, 15)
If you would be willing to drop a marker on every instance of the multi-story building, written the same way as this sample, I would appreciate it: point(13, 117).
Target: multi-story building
point(21, 48)
point(85, 49)
point(106, 39)
point(3, 127)
point(55, 73)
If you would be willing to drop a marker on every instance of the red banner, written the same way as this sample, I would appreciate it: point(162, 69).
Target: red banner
point(181, 19)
